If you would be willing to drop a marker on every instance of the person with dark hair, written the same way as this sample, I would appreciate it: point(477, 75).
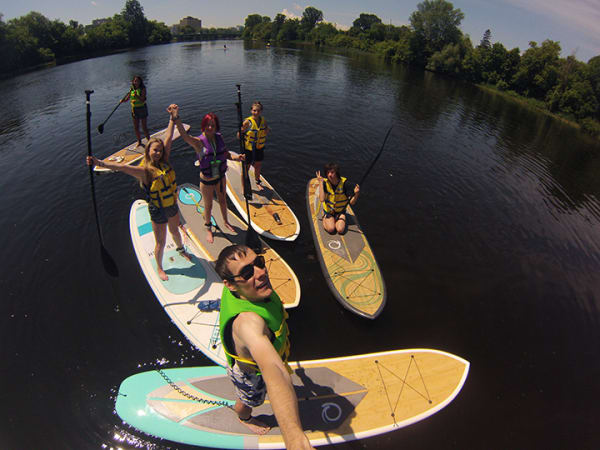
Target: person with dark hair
point(157, 177)
point(254, 334)
point(212, 157)
point(336, 194)
point(139, 109)
point(255, 131)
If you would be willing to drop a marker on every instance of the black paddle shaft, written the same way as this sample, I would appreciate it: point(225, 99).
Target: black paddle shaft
point(109, 264)
point(252, 239)
point(101, 126)
point(376, 158)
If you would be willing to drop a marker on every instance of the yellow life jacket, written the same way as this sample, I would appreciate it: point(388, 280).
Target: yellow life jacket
point(161, 192)
point(335, 199)
point(257, 134)
point(135, 96)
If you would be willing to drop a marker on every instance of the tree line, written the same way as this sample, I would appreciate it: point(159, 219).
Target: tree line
point(434, 41)
point(34, 39)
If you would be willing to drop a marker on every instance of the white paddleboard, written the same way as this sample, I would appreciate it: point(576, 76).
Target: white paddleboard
point(132, 153)
point(187, 295)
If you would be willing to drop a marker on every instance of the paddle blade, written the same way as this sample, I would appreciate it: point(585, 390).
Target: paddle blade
point(109, 263)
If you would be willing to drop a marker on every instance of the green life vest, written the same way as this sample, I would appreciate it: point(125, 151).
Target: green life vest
point(271, 310)
point(135, 95)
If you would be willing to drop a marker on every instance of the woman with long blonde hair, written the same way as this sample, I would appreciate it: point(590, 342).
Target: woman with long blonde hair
point(157, 177)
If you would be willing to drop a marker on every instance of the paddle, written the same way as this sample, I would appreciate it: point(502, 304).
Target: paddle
point(109, 264)
point(101, 126)
point(376, 158)
point(252, 239)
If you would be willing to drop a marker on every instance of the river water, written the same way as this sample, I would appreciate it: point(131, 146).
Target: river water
point(484, 217)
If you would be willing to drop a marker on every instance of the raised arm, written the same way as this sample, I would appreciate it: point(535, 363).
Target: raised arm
point(134, 171)
point(191, 140)
point(321, 190)
point(251, 331)
point(170, 129)
point(354, 197)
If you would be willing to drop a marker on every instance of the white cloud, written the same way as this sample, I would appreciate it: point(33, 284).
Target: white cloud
point(289, 15)
point(580, 14)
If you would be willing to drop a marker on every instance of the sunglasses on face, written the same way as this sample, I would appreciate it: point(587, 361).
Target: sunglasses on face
point(247, 271)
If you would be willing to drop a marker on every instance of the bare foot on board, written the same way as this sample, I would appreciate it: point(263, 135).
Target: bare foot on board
point(256, 426)
point(229, 227)
point(186, 255)
point(209, 235)
point(162, 275)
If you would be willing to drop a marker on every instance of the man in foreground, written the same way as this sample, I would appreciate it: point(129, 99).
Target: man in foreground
point(254, 334)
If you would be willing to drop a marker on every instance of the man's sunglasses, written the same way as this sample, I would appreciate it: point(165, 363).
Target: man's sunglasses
point(248, 271)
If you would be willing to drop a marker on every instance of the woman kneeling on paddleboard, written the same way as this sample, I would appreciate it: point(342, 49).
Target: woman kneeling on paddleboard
point(335, 194)
point(157, 177)
point(212, 159)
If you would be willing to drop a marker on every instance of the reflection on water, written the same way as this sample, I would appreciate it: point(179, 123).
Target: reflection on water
point(484, 217)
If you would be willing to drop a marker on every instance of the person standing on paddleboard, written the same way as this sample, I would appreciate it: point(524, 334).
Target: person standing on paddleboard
point(139, 109)
point(212, 159)
point(335, 194)
point(255, 131)
point(254, 334)
point(157, 177)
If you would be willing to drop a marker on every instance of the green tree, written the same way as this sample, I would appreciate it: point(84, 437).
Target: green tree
point(159, 33)
point(486, 40)
point(251, 21)
point(262, 31)
point(538, 71)
point(289, 30)
point(322, 33)
point(277, 24)
point(364, 22)
point(436, 24)
point(310, 17)
point(133, 14)
point(593, 76)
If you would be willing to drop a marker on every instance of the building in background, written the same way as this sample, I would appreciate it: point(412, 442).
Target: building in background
point(188, 21)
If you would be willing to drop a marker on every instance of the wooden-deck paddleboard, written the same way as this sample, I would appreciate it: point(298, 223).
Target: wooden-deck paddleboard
point(341, 399)
point(185, 296)
point(132, 153)
point(347, 261)
point(270, 215)
point(191, 205)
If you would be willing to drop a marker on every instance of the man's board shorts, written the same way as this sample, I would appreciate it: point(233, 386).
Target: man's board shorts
point(140, 112)
point(250, 388)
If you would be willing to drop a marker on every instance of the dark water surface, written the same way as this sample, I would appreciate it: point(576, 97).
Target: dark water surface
point(484, 217)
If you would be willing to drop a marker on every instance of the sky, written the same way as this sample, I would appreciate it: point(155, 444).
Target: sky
point(514, 23)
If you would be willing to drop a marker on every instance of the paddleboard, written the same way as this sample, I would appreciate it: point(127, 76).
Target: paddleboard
point(269, 213)
point(340, 399)
point(283, 279)
point(347, 261)
point(132, 153)
point(193, 289)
